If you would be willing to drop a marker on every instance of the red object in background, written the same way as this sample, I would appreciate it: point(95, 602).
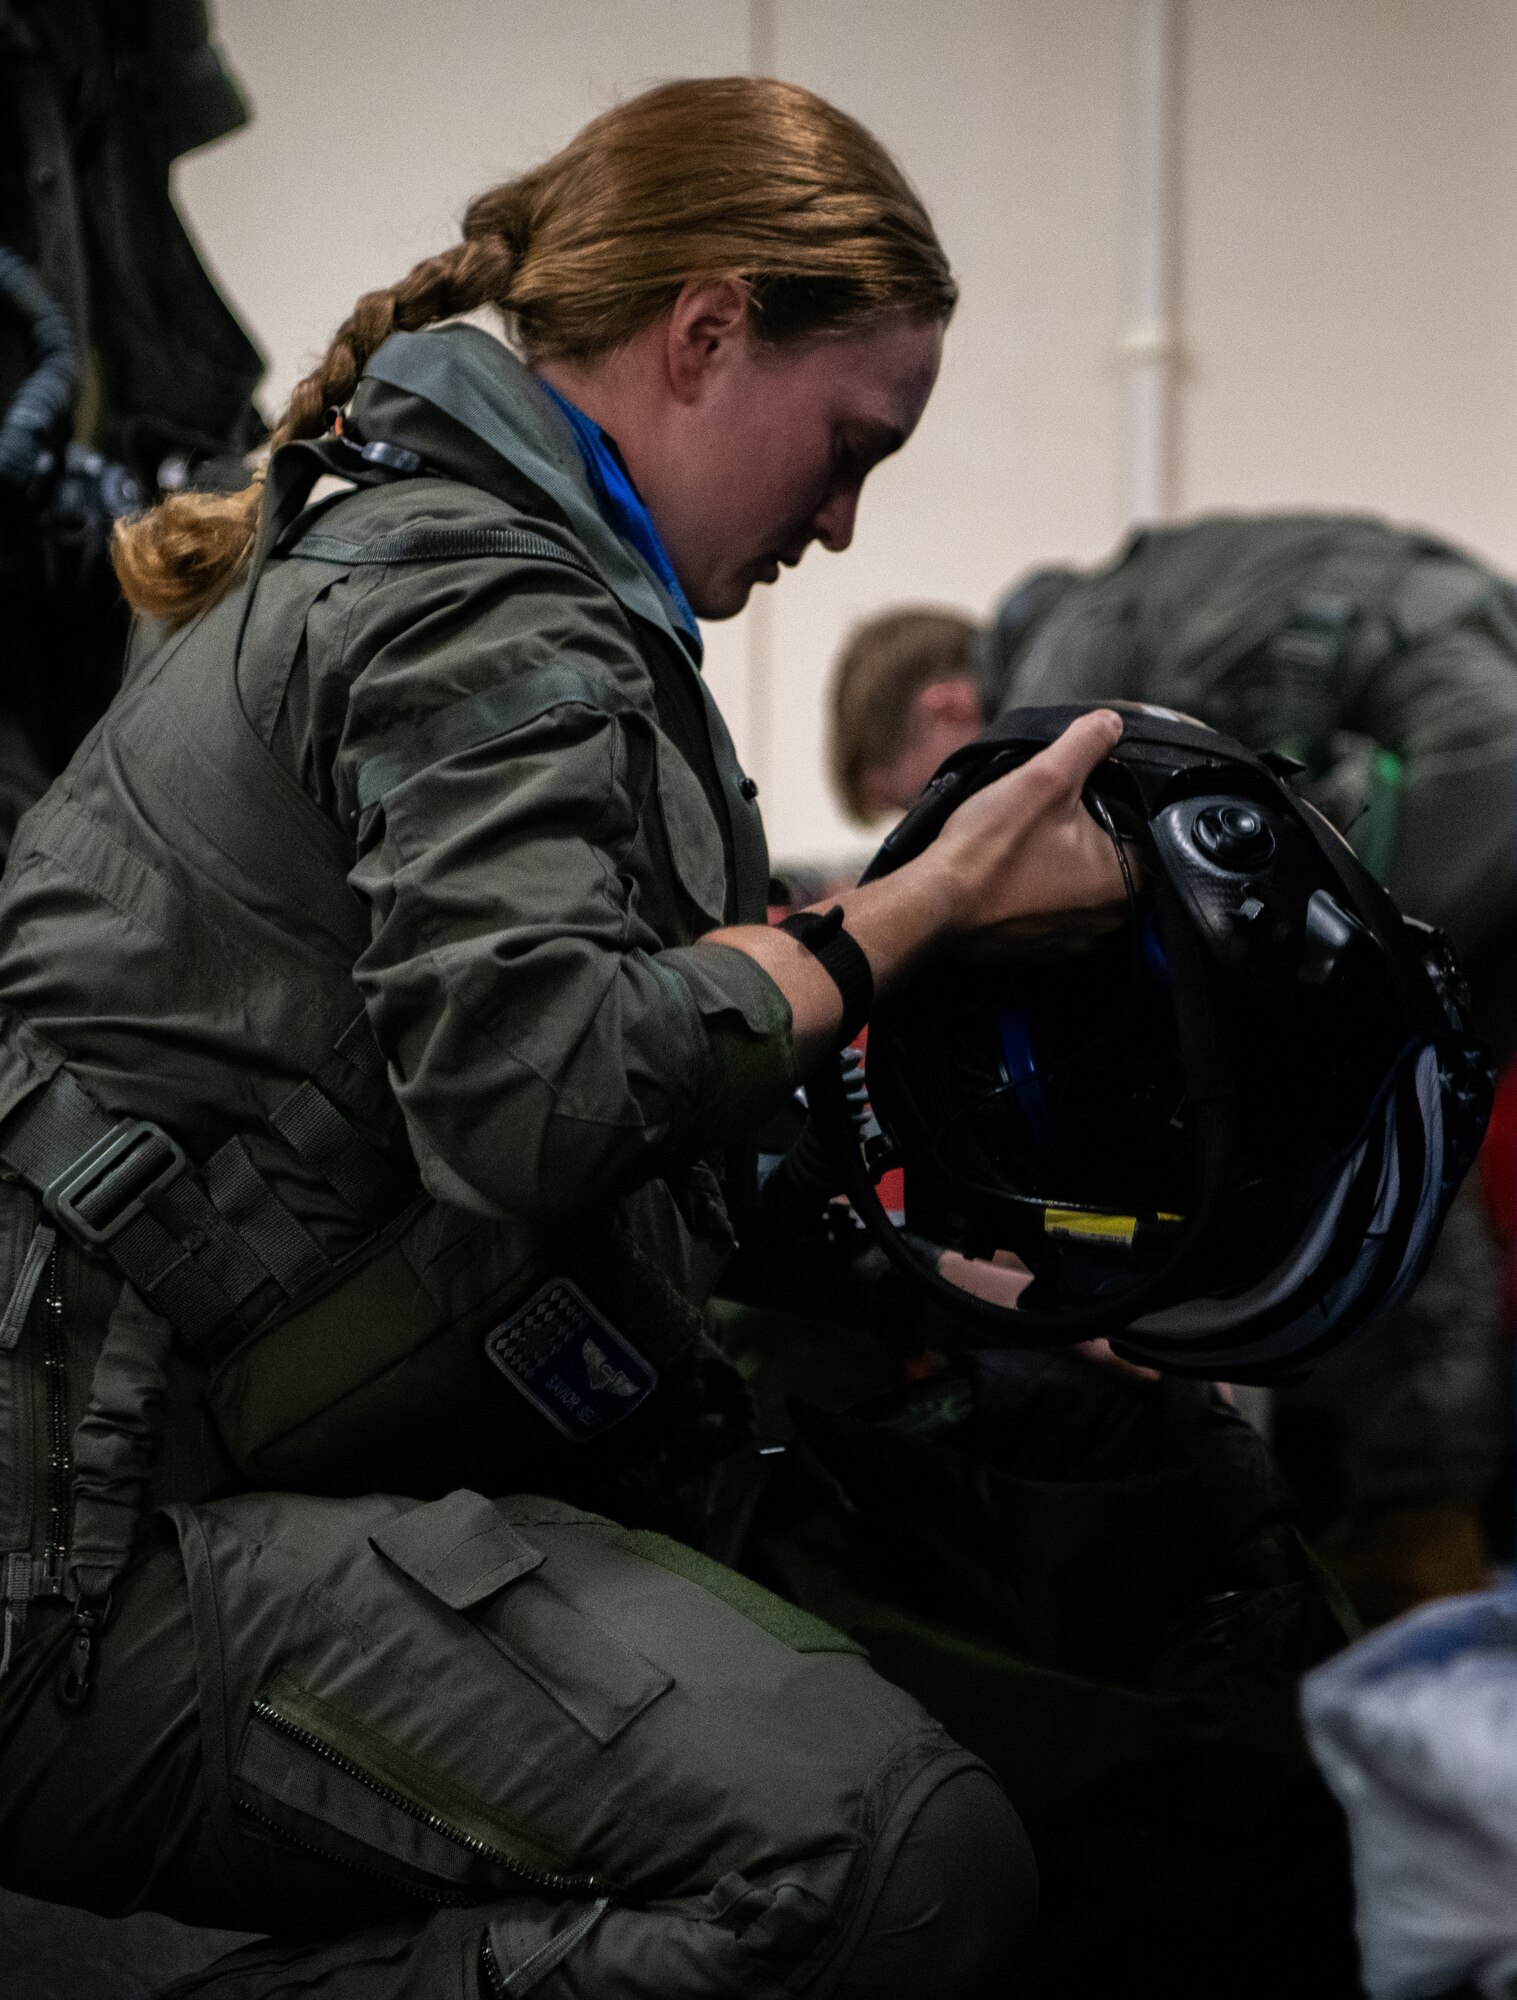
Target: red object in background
point(1498, 1173)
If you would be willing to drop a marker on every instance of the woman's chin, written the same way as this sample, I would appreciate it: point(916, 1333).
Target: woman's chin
point(726, 596)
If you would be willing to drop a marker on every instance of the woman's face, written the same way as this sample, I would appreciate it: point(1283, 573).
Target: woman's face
point(765, 448)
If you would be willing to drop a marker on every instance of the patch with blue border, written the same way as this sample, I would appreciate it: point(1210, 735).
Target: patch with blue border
point(570, 1362)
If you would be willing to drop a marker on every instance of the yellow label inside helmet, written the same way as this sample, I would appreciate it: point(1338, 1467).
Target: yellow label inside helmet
point(1086, 1227)
point(1093, 1228)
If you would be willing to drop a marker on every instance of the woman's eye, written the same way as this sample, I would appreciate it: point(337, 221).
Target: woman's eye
point(849, 463)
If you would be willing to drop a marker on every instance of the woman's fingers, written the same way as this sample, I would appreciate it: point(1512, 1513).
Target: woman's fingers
point(1069, 759)
point(1101, 1355)
point(1023, 853)
point(1000, 1284)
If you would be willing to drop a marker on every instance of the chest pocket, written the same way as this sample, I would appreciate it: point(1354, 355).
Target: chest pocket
point(693, 836)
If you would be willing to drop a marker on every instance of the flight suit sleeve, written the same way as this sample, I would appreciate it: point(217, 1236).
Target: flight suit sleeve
point(1445, 703)
point(553, 1038)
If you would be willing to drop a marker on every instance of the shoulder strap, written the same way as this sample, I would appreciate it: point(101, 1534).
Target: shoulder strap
point(435, 544)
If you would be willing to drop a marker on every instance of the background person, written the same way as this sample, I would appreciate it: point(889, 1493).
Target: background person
point(1385, 662)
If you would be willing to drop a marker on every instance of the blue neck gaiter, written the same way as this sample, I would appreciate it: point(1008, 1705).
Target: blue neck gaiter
point(618, 500)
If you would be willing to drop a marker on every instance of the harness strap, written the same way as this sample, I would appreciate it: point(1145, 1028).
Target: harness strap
point(357, 1046)
point(280, 1241)
point(358, 1173)
point(120, 1188)
point(214, 1251)
point(435, 544)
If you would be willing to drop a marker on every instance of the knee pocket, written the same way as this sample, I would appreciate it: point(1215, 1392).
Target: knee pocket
point(478, 1695)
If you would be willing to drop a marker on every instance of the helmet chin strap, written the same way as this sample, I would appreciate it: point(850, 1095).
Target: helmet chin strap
point(1209, 1093)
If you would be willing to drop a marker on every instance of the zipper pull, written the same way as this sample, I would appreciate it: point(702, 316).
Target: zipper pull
point(44, 1240)
point(76, 1684)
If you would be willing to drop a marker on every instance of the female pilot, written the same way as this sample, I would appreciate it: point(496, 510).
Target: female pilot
point(383, 992)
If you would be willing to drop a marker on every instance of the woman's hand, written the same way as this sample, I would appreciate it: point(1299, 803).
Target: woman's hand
point(1019, 867)
point(1002, 1279)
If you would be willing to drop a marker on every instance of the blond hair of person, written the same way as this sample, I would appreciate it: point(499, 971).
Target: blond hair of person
point(689, 182)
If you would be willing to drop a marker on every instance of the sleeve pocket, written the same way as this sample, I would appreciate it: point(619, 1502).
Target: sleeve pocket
point(459, 1550)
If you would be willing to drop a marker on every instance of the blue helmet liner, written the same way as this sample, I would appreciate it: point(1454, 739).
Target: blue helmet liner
point(1226, 1138)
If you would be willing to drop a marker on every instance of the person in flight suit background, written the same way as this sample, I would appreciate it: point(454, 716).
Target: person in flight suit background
point(382, 990)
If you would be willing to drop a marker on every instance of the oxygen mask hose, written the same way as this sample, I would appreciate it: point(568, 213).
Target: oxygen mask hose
point(805, 1180)
point(40, 409)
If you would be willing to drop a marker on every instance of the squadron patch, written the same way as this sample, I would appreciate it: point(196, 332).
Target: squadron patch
point(570, 1362)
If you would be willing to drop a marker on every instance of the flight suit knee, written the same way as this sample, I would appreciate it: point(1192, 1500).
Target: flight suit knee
point(954, 1897)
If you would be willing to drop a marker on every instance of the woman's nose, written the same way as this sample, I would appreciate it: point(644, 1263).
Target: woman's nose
point(833, 526)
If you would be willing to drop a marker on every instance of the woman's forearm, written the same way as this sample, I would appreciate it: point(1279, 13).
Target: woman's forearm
point(895, 923)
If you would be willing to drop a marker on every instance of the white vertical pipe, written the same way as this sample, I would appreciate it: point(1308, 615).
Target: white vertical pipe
point(763, 39)
point(763, 33)
point(1148, 347)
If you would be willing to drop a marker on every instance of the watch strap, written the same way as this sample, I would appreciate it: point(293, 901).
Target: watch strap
point(842, 958)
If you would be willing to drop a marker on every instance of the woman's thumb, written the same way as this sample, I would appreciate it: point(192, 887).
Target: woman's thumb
point(1069, 759)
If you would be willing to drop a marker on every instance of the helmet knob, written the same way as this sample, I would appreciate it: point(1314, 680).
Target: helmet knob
point(1234, 836)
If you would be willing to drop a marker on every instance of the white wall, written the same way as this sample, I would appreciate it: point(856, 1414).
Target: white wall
point(1349, 283)
point(1347, 294)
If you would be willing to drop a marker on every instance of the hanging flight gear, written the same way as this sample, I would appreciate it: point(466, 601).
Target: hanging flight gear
point(1227, 1137)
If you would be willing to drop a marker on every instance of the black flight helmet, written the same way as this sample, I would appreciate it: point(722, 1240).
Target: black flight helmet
point(1225, 1138)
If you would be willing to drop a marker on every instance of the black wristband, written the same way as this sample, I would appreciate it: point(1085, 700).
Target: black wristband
point(842, 959)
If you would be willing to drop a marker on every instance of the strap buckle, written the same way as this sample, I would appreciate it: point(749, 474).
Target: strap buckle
point(108, 1186)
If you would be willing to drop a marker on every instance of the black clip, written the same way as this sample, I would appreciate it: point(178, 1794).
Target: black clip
point(76, 1683)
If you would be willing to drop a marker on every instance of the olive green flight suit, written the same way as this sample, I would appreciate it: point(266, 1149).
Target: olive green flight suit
point(378, 890)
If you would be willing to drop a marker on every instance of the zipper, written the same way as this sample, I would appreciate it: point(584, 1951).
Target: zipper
point(489, 1965)
point(55, 1380)
point(541, 1878)
point(423, 1892)
point(544, 1959)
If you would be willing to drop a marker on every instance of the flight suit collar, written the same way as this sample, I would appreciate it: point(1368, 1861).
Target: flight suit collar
point(473, 411)
point(472, 378)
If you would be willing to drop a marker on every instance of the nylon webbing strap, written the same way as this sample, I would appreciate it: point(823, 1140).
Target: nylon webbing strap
point(120, 1187)
point(357, 1172)
point(356, 1045)
point(285, 1247)
point(437, 545)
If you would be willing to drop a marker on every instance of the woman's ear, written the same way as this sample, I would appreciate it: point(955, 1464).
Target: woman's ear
point(708, 325)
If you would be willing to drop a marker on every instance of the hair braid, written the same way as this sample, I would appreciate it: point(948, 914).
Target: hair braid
point(711, 177)
point(177, 558)
point(473, 273)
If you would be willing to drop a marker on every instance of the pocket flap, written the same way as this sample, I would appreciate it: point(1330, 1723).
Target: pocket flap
point(458, 1549)
point(695, 841)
